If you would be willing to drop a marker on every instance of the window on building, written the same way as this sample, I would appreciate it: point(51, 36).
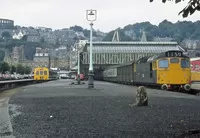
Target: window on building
point(163, 63)
point(197, 67)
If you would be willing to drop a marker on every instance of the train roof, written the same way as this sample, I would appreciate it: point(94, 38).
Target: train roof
point(120, 65)
point(194, 59)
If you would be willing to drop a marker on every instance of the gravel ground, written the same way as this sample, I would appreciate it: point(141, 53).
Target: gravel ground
point(73, 111)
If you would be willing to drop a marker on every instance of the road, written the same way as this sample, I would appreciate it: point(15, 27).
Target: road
point(58, 109)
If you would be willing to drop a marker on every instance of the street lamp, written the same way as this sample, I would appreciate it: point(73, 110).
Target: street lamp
point(78, 59)
point(91, 16)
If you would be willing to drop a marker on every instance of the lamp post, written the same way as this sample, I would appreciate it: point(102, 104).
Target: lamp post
point(78, 77)
point(78, 59)
point(91, 16)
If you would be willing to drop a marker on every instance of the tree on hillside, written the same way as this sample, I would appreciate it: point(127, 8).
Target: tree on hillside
point(193, 5)
point(24, 38)
point(2, 54)
point(20, 69)
point(4, 67)
point(6, 35)
point(13, 69)
point(27, 70)
point(76, 28)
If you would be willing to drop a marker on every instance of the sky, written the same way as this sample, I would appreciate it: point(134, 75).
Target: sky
point(111, 14)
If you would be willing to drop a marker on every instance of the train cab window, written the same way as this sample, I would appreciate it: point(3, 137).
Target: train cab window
point(163, 63)
point(174, 60)
point(41, 72)
point(45, 72)
point(185, 63)
point(37, 72)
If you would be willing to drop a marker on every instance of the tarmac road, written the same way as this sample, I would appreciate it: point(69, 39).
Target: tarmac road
point(57, 109)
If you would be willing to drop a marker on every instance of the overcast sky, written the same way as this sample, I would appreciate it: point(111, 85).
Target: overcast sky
point(112, 14)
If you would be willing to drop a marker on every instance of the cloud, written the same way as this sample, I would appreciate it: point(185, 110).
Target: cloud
point(111, 13)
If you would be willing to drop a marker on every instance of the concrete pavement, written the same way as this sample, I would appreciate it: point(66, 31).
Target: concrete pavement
point(58, 109)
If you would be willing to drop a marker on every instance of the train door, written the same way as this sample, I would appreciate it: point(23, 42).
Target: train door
point(154, 71)
point(41, 75)
point(45, 75)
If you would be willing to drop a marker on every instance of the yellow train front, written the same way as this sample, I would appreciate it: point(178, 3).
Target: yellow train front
point(44, 74)
point(169, 70)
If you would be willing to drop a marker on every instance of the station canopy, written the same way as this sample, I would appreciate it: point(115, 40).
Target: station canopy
point(132, 47)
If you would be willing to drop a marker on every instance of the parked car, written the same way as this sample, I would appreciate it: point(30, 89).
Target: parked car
point(64, 76)
point(7, 76)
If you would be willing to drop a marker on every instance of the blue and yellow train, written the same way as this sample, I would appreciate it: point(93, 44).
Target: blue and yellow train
point(168, 70)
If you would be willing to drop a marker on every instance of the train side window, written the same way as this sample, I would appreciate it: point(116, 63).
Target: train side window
point(41, 72)
point(45, 72)
point(163, 63)
point(196, 66)
point(185, 63)
point(37, 72)
point(151, 67)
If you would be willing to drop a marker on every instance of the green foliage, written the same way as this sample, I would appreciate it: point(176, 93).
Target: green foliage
point(6, 35)
point(20, 69)
point(2, 54)
point(13, 69)
point(42, 40)
point(193, 5)
point(76, 28)
point(4, 67)
point(27, 70)
point(24, 38)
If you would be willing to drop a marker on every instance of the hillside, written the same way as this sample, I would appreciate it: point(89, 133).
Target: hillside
point(178, 31)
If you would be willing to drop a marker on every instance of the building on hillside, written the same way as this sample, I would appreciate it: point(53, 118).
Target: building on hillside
point(18, 54)
point(42, 60)
point(6, 27)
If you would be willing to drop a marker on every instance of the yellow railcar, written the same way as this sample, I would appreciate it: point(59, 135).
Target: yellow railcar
point(41, 73)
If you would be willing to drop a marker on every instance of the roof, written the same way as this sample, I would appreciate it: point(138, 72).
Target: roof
point(132, 43)
point(132, 47)
point(75, 68)
point(194, 59)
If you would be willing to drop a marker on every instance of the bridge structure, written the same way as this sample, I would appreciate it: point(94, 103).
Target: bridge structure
point(114, 53)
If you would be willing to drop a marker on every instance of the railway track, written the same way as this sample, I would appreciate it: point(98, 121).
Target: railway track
point(191, 92)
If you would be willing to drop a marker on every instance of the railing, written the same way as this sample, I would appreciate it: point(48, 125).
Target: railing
point(10, 84)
